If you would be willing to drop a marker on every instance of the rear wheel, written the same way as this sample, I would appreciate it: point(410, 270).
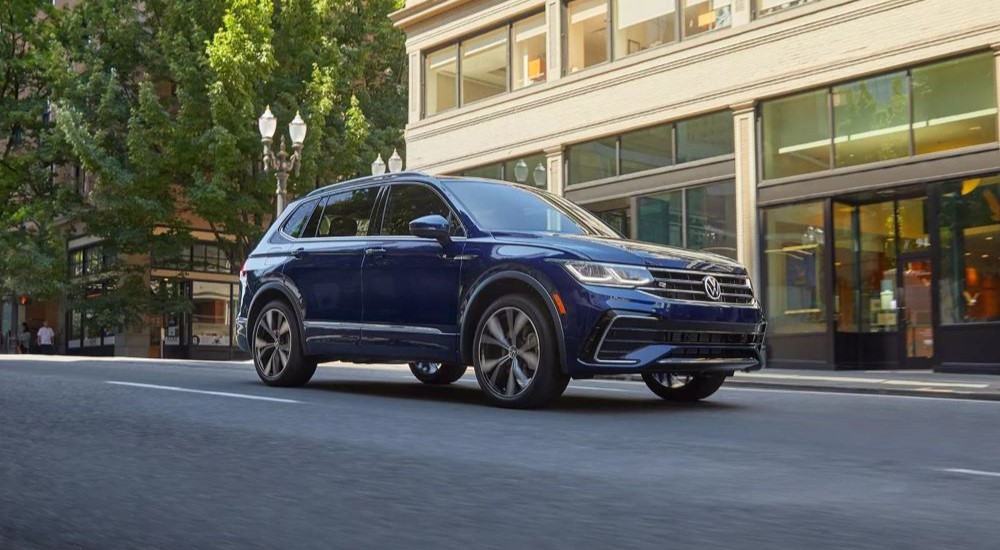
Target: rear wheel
point(436, 373)
point(683, 387)
point(277, 348)
point(515, 355)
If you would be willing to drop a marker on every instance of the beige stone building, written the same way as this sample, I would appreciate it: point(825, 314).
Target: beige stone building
point(845, 150)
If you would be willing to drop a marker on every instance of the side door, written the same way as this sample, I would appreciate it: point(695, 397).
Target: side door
point(325, 271)
point(411, 284)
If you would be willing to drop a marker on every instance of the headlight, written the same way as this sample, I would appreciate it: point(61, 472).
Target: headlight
point(593, 273)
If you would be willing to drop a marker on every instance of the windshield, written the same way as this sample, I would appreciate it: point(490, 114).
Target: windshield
point(501, 207)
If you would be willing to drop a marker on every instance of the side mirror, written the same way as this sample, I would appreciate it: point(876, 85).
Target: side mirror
point(431, 227)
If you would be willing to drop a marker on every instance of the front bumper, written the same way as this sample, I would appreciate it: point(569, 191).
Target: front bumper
point(626, 331)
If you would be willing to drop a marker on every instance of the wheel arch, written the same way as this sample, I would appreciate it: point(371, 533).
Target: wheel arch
point(500, 284)
point(267, 293)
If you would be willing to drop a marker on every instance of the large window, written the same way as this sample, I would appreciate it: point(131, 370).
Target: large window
point(486, 65)
point(441, 80)
point(642, 24)
point(767, 7)
point(698, 138)
point(793, 247)
point(528, 170)
point(529, 62)
point(587, 36)
point(90, 260)
point(931, 108)
point(211, 318)
point(970, 251)
point(701, 16)
point(700, 218)
point(865, 265)
point(203, 257)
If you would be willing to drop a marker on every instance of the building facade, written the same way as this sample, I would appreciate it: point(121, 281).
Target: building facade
point(845, 150)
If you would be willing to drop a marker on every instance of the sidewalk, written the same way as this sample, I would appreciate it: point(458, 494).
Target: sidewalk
point(922, 383)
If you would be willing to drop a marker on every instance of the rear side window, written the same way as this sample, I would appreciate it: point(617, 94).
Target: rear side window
point(408, 202)
point(347, 214)
point(297, 221)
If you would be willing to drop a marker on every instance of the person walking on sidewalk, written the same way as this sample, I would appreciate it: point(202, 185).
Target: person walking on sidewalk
point(46, 339)
point(24, 339)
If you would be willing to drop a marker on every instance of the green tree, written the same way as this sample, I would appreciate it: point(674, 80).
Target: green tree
point(33, 206)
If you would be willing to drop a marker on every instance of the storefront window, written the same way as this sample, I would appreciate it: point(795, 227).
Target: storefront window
point(210, 320)
point(955, 104)
point(489, 171)
point(587, 36)
point(593, 160)
point(619, 220)
point(970, 251)
point(865, 264)
point(767, 7)
point(872, 120)
point(796, 133)
point(661, 218)
point(529, 170)
point(484, 66)
point(794, 244)
point(647, 149)
point(642, 24)
point(705, 137)
point(701, 16)
point(529, 60)
point(711, 218)
point(440, 84)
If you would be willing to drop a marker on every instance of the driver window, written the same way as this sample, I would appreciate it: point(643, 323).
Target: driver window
point(408, 202)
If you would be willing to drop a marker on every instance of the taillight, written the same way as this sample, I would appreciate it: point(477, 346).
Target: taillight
point(243, 271)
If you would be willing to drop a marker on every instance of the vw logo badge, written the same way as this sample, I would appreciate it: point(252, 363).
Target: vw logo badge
point(712, 288)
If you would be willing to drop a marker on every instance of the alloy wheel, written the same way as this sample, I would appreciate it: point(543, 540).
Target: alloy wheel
point(272, 343)
point(509, 352)
point(672, 381)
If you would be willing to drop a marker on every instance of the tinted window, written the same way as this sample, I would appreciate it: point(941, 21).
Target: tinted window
point(347, 214)
point(409, 202)
point(498, 207)
point(297, 221)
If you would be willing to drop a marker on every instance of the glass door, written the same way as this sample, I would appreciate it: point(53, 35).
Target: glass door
point(916, 316)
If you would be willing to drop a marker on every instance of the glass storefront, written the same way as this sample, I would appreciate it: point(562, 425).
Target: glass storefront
point(794, 242)
point(970, 251)
point(699, 218)
point(207, 329)
point(931, 108)
point(527, 170)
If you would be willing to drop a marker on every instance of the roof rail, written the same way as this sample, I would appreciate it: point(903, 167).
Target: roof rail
point(367, 179)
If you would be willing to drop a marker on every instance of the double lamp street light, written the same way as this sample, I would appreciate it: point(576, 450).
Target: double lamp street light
point(281, 162)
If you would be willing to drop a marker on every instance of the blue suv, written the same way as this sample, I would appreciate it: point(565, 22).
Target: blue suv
point(528, 288)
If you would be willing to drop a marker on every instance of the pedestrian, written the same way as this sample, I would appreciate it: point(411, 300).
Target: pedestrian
point(24, 339)
point(46, 338)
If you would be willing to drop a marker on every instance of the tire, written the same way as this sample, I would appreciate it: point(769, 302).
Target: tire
point(683, 388)
point(436, 373)
point(284, 364)
point(504, 371)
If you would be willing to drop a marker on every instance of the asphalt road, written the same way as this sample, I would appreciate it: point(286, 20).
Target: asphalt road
point(100, 455)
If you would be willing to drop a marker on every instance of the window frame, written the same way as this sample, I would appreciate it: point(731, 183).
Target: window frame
point(508, 25)
point(382, 206)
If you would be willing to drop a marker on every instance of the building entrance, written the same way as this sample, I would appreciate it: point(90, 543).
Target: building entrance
point(883, 296)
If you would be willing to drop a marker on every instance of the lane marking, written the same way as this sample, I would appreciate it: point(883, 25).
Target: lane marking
point(970, 472)
point(845, 379)
point(592, 388)
point(203, 392)
point(863, 394)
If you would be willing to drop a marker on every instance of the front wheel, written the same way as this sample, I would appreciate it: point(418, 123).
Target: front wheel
point(515, 355)
point(683, 387)
point(436, 373)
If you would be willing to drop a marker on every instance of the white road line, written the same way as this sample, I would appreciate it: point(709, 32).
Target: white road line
point(204, 392)
point(591, 388)
point(848, 393)
point(970, 472)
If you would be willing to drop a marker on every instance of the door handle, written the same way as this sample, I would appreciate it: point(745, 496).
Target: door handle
point(298, 252)
point(374, 251)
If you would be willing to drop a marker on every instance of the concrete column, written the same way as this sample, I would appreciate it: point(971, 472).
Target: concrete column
point(996, 76)
point(554, 19)
point(416, 87)
point(742, 12)
point(554, 162)
point(746, 188)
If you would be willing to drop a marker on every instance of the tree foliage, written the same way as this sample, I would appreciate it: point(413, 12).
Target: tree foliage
point(158, 102)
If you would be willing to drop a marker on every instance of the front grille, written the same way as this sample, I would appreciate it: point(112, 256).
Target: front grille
point(678, 284)
point(625, 335)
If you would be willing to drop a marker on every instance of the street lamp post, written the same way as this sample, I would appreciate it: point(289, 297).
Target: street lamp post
point(395, 164)
point(281, 162)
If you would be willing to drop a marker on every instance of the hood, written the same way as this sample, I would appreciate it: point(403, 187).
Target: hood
point(609, 249)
